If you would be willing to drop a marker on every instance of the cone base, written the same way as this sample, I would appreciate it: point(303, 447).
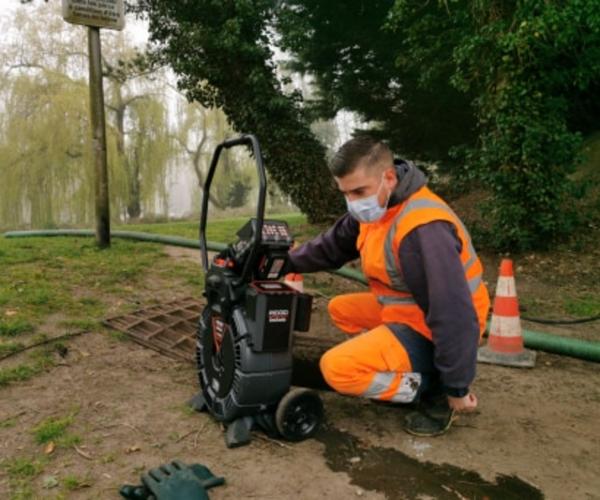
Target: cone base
point(524, 359)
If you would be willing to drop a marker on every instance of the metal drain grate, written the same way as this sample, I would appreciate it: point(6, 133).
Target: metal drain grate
point(167, 328)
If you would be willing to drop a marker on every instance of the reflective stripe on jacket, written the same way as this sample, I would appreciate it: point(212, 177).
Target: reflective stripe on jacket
point(379, 244)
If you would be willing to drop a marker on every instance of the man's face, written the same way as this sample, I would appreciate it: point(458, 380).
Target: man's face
point(365, 181)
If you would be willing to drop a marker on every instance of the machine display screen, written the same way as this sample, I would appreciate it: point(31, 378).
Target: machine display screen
point(270, 286)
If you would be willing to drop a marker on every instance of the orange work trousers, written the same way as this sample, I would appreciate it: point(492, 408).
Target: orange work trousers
point(373, 363)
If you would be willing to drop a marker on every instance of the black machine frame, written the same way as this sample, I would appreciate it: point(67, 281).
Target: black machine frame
point(245, 361)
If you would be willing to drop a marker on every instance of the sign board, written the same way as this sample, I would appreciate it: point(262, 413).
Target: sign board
point(100, 13)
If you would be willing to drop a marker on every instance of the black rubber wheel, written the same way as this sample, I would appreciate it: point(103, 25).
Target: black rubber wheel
point(299, 414)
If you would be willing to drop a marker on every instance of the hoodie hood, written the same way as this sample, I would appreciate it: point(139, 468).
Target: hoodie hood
point(410, 180)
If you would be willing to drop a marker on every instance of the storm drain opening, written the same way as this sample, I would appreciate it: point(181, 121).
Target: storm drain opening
point(168, 328)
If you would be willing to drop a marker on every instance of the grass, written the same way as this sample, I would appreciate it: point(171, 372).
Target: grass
point(21, 472)
point(73, 281)
point(7, 348)
point(186, 409)
point(19, 373)
point(583, 307)
point(54, 429)
point(222, 230)
point(14, 327)
point(107, 459)
point(41, 361)
point(58, 285)
point(73, 483)
point(22, 468)
point(68, 440)
point(8, 423)
point(41, 276)
point(81, 324)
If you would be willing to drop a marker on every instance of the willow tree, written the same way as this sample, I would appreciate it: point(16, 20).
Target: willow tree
point(148, 154)
point(131, 77)
point(45, 151)
point(198, 131)
point(43, 154)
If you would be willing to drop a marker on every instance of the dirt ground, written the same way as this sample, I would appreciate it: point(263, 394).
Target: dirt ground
point(536, 430)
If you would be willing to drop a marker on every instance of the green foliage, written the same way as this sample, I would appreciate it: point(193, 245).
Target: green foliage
point(527, 64)
point(46, 157)
point(221, 52)
point(530, 66)
point(238, 194)
point(148, 154)
point(41, 154)
point(503, 88)
point(396, 80)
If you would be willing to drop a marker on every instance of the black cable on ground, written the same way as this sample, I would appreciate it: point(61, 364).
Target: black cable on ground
point(561, 321)
point(51, 340)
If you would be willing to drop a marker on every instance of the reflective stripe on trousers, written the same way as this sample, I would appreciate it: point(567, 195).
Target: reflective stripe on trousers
point(374, 364)
point(405, 392)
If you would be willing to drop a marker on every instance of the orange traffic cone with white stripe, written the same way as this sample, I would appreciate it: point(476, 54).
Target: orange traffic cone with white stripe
point(505, 341)
point(295, 281)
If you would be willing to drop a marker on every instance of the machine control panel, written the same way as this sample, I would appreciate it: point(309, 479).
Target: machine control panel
point(274, 232)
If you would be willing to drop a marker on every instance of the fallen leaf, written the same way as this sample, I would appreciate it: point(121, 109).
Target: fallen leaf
point(83, 453)
point(50, 482)
point(49, 448)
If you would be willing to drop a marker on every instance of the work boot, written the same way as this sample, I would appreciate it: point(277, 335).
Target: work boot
point(433, 416)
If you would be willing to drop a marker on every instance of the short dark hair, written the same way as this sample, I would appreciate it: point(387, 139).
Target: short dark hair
point(361, 148)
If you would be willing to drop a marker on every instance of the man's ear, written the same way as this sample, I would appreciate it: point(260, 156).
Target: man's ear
point(390, 176)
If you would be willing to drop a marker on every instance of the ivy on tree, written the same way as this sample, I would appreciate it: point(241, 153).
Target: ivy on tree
point(222, 54)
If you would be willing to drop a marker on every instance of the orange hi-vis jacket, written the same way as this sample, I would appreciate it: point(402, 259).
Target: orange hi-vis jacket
point(379, 243)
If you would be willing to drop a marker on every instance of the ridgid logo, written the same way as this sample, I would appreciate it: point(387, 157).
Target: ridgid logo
point(278, 315)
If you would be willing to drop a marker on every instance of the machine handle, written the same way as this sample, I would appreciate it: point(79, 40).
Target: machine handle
point(251, 141)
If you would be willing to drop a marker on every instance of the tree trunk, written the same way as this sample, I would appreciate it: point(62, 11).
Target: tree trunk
point(134, 206)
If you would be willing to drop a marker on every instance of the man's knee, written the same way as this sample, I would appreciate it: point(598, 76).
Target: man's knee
point(335, 369)
point(343, 314)
point(335, 308)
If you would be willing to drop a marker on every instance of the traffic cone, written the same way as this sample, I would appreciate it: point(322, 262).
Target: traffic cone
point(505, 341)
point(295, 281)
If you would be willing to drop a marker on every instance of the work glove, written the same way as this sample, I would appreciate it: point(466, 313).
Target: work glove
point(171, 482)
point(200, 473)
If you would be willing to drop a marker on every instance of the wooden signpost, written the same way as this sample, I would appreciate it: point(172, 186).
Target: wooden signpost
point(96, 14)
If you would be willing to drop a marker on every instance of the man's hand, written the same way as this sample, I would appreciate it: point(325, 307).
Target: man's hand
point(465, 404)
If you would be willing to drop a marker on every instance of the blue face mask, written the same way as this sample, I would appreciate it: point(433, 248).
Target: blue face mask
point(368, 209)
